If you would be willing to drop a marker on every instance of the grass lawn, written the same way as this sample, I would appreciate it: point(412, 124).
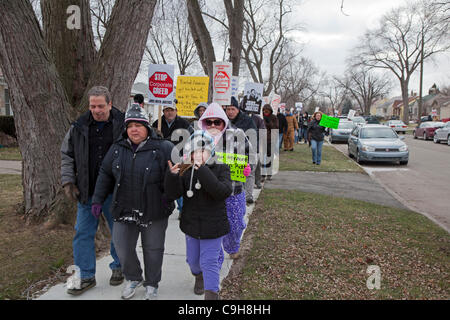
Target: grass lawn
point(30, 256)
point(10, 154)
point(307, 246)
point(301, 160)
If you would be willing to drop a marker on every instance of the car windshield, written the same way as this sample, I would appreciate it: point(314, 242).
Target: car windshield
point(377, 133)
point(396, 122)
point(358, 119)
point(345, 125)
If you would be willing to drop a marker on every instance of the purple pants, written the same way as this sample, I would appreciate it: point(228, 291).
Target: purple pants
point(203, 257)
point(236, 206)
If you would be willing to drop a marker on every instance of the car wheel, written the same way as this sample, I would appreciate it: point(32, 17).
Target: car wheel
point(424, 136)
point(404, 163)
point(448, 140)
point(435, 139)
point(330, 140)
point(415, 137)
point(349, 153)
point(358, 157)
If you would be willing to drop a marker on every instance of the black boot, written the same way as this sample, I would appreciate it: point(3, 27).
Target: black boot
point(198, 286)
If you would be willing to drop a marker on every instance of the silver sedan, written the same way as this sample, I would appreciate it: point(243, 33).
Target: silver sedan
point(342, 132)
point(377, 143)
point(442, 134)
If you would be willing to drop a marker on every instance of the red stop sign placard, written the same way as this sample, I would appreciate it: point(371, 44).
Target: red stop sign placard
point(160, 84)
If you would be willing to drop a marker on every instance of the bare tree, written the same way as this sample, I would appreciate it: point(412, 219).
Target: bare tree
point(364, 86)
point(405, 36)
point(42, 108)
point(265, 38)
point(334, 94)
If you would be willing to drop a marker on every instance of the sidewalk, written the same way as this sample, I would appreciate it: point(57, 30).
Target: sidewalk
point(10, 167)
point(177, 282)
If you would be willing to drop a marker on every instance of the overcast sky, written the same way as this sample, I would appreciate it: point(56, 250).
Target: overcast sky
point(330, 36)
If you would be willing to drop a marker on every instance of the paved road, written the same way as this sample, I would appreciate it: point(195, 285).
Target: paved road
point(424, 184)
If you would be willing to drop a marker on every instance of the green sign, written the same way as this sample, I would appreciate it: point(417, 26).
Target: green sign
point(329, 122)
point(236, 162)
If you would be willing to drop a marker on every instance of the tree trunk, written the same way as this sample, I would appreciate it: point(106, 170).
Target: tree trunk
point(39, 103)
point(73, 50)
point(235, 28)
point(404, 87)
point(202, 40)
point(122, 49)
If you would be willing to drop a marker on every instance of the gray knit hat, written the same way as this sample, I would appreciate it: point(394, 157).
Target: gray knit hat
point(136, 114)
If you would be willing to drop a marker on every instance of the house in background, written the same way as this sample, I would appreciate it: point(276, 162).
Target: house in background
point(435, 100)
point(385, 109)
point(5, 103)
point(397, 107)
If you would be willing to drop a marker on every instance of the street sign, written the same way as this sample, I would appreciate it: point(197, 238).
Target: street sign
point(161, 84)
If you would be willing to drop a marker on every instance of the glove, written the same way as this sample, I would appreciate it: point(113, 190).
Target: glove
point(247, 170)
point(96, 210)
point(71, 191)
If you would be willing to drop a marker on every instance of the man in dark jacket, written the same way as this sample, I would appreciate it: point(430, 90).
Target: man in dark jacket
point(282, 126)
point(83, 149)
point(242, 121)
point(170, 122)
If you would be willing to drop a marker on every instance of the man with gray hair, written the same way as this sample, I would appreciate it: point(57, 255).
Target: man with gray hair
point(83, 149)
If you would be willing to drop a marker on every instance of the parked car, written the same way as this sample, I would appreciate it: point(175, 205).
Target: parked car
point(372, 120)
point(342, 132)
point(397, 125)
point(426, 129)
point(359, 121)
point(442, 134)
point(426, 118)
point(375, 142)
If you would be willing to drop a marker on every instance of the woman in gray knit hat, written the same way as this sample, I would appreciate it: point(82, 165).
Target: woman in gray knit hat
point(134, 168)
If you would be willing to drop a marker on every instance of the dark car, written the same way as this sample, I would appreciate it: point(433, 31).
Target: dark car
point(372, 120)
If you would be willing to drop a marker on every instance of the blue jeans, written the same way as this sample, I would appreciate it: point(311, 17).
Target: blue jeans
point(84, 240)
point(180, 204)
point(316, 148)
point(280, 140)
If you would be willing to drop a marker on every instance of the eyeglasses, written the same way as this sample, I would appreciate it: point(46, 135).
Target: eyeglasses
point(216, 122)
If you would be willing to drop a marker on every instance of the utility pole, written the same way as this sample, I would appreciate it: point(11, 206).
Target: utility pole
point(419, 111)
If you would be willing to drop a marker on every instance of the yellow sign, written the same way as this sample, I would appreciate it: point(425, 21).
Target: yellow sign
point(189, 93)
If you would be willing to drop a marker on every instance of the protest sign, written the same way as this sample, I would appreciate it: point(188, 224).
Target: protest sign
point(222, 82)
point(329, 122)
point(236, 162)
point(276, 100)
point(190, 92)
point(298, 106)
point(252, 100)
point(160, 84)
point(351, 114)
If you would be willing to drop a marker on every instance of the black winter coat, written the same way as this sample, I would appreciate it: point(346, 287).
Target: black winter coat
point(204, 215)
point(179, 123)
point(75, 151)
point(282, 123)
point(136, 180)
point(315, 131)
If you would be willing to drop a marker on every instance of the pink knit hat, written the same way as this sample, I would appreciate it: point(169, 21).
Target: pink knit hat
point(214, 110)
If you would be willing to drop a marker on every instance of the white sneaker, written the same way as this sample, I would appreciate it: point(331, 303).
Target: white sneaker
point(150, 293)
point(130, 289)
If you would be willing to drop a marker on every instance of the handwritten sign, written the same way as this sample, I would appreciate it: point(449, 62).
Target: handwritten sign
point(329, 122)
point(236, 162)
point(190, 92)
